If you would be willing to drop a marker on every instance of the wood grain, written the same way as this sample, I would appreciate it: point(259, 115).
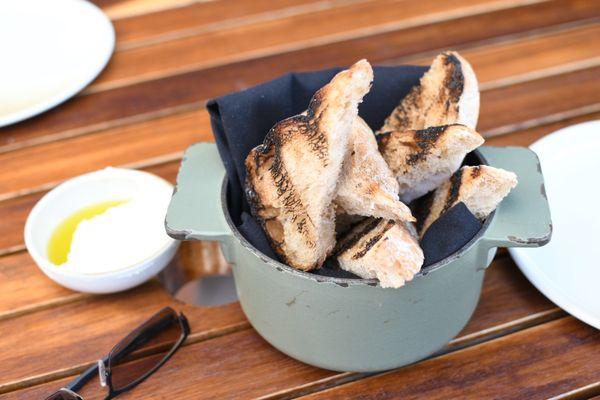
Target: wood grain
point(201, 17)
point(523, 58)
point(275, 36)
point(223, 364)
point(24, 287)
point(502, 283)
point(218, 368)
point(507, 108)
point(128, 145)
point(116, 9)
point(528, 136)
point(536, 363)
point(187, 91)
point(506, 296)
point(62, 339)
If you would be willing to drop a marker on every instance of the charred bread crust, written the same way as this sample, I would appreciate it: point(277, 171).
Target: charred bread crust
point(455, 185)
point(423, 159)
point(355, 235)
point(384, 249)
point(300, 225)
point(455, 80)
point(424, 140)
point(447, 93)
point(480, 188)
point(373, 240)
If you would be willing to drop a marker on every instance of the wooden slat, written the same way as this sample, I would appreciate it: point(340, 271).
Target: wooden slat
point(504, 109)
point(249, 41)
point(509, 61)
point(56, 161)
point(528, 136)
point(116, 9)
point(187, 91)
point(537, 363)
point(14, 212)
point(506, 297)
point(198, 18)
point(24, 287)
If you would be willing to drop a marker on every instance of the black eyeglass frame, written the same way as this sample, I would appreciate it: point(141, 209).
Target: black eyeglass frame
point(75, 385)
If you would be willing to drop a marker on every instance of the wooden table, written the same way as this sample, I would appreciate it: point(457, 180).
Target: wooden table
point(538, 62)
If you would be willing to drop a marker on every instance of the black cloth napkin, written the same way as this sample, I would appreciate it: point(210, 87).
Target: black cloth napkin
point(449, 233)
point(241, 120)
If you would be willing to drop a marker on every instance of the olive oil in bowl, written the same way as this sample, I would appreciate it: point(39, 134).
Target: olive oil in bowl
point(59, 244)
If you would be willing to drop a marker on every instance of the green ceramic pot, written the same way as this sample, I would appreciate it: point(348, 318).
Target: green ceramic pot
point(351, 324)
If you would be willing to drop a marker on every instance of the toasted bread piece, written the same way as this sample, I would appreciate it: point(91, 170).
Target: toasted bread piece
point(448, 93)
point(367, 187)
point(382, 249)
point(292, 176)
point(480, 188)
point(421, 160)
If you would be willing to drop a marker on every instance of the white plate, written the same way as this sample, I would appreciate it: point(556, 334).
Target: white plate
point(567, 270)
point(49, 51)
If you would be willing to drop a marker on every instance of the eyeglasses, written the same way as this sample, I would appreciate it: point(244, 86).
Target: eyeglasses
point(135, 358)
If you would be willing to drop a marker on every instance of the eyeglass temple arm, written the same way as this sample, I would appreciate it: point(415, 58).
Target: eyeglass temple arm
point(84, 378)
point(89, 373)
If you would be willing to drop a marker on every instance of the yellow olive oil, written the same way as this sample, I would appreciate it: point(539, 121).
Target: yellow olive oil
point(59, 245)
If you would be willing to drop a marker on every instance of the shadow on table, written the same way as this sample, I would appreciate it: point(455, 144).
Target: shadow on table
point(199, 275)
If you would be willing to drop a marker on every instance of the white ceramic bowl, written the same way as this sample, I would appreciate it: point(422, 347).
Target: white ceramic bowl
point(86, 190)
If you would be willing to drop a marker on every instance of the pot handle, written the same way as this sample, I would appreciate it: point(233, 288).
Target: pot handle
point(195, 211)
point(523, 218)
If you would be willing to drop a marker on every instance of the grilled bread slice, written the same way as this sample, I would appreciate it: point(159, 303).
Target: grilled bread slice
point(367, 187)
point(384, 249)
point(421, 160)
point(292, 177)
point(480, 188)
point(447, 93)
